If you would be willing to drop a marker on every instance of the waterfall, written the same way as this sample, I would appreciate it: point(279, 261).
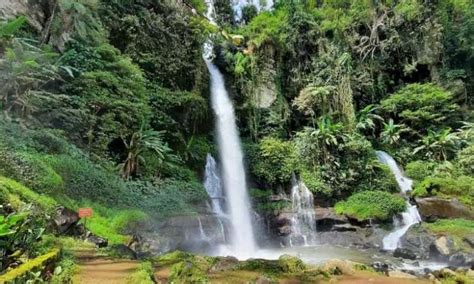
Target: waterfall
point(303, 222)
point(201, 230)
point(242, 240)
point(411, 216)
point(212, 184)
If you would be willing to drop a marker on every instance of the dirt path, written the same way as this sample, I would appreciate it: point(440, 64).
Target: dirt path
point(95, 268)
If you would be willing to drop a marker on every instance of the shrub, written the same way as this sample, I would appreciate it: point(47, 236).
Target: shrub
point(144, 274)
point(465, 159)
point(314, 183)
point(421, 106)
point(11, 190)
point(371, 205)
point(31, 169)
point(275, 160)
point(461, 187)
point(418, 170)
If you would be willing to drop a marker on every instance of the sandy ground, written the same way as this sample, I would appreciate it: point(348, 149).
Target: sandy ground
point(95, 268)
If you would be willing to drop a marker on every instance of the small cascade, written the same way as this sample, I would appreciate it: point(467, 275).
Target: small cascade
point(201, 230)
point(411, 216)
point(303, 222)
point(213, 185)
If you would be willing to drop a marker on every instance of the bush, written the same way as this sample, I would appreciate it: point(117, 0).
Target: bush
point(461, 187)
point(144, 274)
point(31, 169)
point(465, 160)
point(422, 106)
point(275, 160)
point(371, 205)
point(419, 170)
point(14, 193)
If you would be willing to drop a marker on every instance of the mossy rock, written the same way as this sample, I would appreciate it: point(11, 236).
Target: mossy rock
point(261, 265)
point(291, 264)
point(192, 270)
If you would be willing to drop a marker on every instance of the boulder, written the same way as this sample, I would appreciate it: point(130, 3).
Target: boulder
point(328, 216)
point(469, 240)
point(434, 207)
point(123, 251)
point(98, 241)
point(443, 246)
point(381, 267)
point(401, 274)
point(291, 264)
point(404, 253)
point(419, 241)
point(225, 263)
point(344, 228)
point(461, 259)
point(65, 220)
point(339, 267)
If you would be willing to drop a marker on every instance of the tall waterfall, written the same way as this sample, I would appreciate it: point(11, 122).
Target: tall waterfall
point(303, 222)
point(242, 239)
point(411, 216)
point(213, 186)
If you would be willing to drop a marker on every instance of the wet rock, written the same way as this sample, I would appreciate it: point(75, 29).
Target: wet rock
point(98, 241)
point(225, 263)
point(469, 240)
point(381, 267)
point(434, 207)
point(443, 246)
point(418, 241)
point(123, 251)
point(291, 264)
point(401, 274)
point(447, 273)
point(328, 214)
point(344, 228)
point(65, 220)
point(339, 267)
point(404, 253)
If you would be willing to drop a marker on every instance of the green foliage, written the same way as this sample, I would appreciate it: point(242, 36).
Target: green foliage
point(17, 194)
point(465, 160)
point(419, 170)
point(291, 264)
point(439, 146)
point(461, 187)
point(315, 184)
point(193, 269)
point(31, 169)
point(144, 274)
point(454, 227)
point(112, 101)
point(368, 205)
point(20, 273)
point(161, 38)
point(142, 141)
point(9, 28)
point(275, 160)
point(422, 106)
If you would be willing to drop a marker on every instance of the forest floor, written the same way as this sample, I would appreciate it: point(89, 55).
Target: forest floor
point(98, 268)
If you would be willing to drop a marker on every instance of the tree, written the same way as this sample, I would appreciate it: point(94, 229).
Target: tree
point(141, 141)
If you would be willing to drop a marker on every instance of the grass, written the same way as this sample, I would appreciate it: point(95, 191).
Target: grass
point(16, 193)
point(18, 273)
point(457, 229)
point(143, 275)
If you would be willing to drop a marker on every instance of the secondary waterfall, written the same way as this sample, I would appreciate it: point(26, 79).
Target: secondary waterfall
point(411, 216)
point(242, 239)
point(303, 223)
point(213, 186)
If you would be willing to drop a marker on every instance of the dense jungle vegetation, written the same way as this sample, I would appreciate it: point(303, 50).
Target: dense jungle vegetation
point(105, 104)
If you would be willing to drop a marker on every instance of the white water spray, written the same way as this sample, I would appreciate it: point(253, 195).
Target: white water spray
point(303, 223)
point(213, 186)
point(242, 240)
point(411, 216)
